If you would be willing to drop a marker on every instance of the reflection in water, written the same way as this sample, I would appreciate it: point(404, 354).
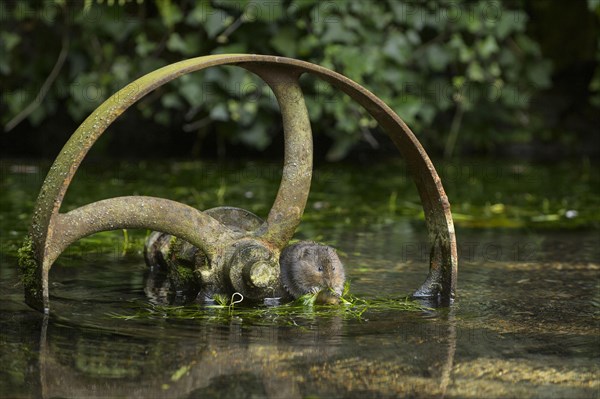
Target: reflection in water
point(119, 365)
point(238, 361)
point(525, 323)
point(506, 336)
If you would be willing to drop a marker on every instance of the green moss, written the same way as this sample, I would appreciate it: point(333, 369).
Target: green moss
point(174, 243)
point(27, 262)
point(182, 277)
point(185, 274)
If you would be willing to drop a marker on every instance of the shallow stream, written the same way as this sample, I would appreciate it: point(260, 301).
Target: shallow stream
point(525, 323)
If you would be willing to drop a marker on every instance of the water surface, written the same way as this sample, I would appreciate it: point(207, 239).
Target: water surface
point(525, 324)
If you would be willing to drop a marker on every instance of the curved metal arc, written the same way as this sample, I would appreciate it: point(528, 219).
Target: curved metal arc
point(131, 212)
point(141, 212)
point(444, 259)
point(288, 207)
point(64, 167)
point(435, 202)
point(46, 214)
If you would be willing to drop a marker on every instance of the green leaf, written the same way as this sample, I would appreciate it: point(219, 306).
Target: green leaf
point(539, 74)
point(475, 72)
point(200, 13)
point(121, 69)
point(191, 90)
point(474, 25)
point(9, 40)
point(171, 100)
point(527, 45)
point(353, 60)
point(437, 57)
point(162, 117)
point(487, 47)
point(262, 10)
point(397, 48)
point(143, 46)
point(285, 42)
point(302, 4)
point(183, 370)
point(510, 22)
point(176, 43)
point(170, 12)
point(307, 45)
point(214, 24)
point(427, 113)
point(219, 113)
point(336, 33)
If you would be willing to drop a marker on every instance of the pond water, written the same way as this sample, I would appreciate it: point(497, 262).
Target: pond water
point(525, 323)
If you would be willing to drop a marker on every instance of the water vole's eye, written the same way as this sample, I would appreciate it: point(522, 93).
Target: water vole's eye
point(320, 268)
point(333, 268)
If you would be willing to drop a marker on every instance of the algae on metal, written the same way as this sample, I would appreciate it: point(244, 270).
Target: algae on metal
point(28, 266)
point(51, 231)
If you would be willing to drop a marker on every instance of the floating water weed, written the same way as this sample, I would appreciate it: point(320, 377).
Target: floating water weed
point(306, 307)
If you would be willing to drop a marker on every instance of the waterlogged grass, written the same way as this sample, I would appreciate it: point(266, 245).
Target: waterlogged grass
point(224, 309)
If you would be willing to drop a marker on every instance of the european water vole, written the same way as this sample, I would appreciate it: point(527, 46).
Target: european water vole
point(310, 267)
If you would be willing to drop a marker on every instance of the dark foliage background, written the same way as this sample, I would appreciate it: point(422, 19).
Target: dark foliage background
point(469, 77)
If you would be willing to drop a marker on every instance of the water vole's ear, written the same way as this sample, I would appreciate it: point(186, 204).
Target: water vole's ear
point(305, 251)
point(331, 251)
point(302, 252)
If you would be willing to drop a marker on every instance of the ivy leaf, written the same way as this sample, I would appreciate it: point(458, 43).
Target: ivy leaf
point(191, 90)
point(285, 42)
point(397, 48)
point(307, 45)
point(143, 46)
point(487, 47)
point(262, 10)
point(336, 33)
point(176, 43)
point(171, 100)
point(510, 22)
point(121, 69)
point(9, 40)
point(475, 72)
point(219, 113)
point(214, 24)
point(170, 12)
point(437, 57)
point(200, 13)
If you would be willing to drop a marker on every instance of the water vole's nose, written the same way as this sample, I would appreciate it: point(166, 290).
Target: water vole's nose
point(327, 297)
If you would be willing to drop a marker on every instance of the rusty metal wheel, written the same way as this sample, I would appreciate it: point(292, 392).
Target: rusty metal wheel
point(52, 232)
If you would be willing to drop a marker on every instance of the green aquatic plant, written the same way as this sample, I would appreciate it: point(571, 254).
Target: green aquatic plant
point(224, 308)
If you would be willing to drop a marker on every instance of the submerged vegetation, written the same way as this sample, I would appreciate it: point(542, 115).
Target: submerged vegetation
point(483, 194)
point(342, 199)
point(306, 307)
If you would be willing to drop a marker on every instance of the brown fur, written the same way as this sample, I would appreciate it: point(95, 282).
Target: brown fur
point(309, 267)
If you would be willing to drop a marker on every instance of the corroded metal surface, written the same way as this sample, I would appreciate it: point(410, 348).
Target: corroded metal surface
point(289, 204)
point(252, 269)
point(51, 231)
point(141, 212)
